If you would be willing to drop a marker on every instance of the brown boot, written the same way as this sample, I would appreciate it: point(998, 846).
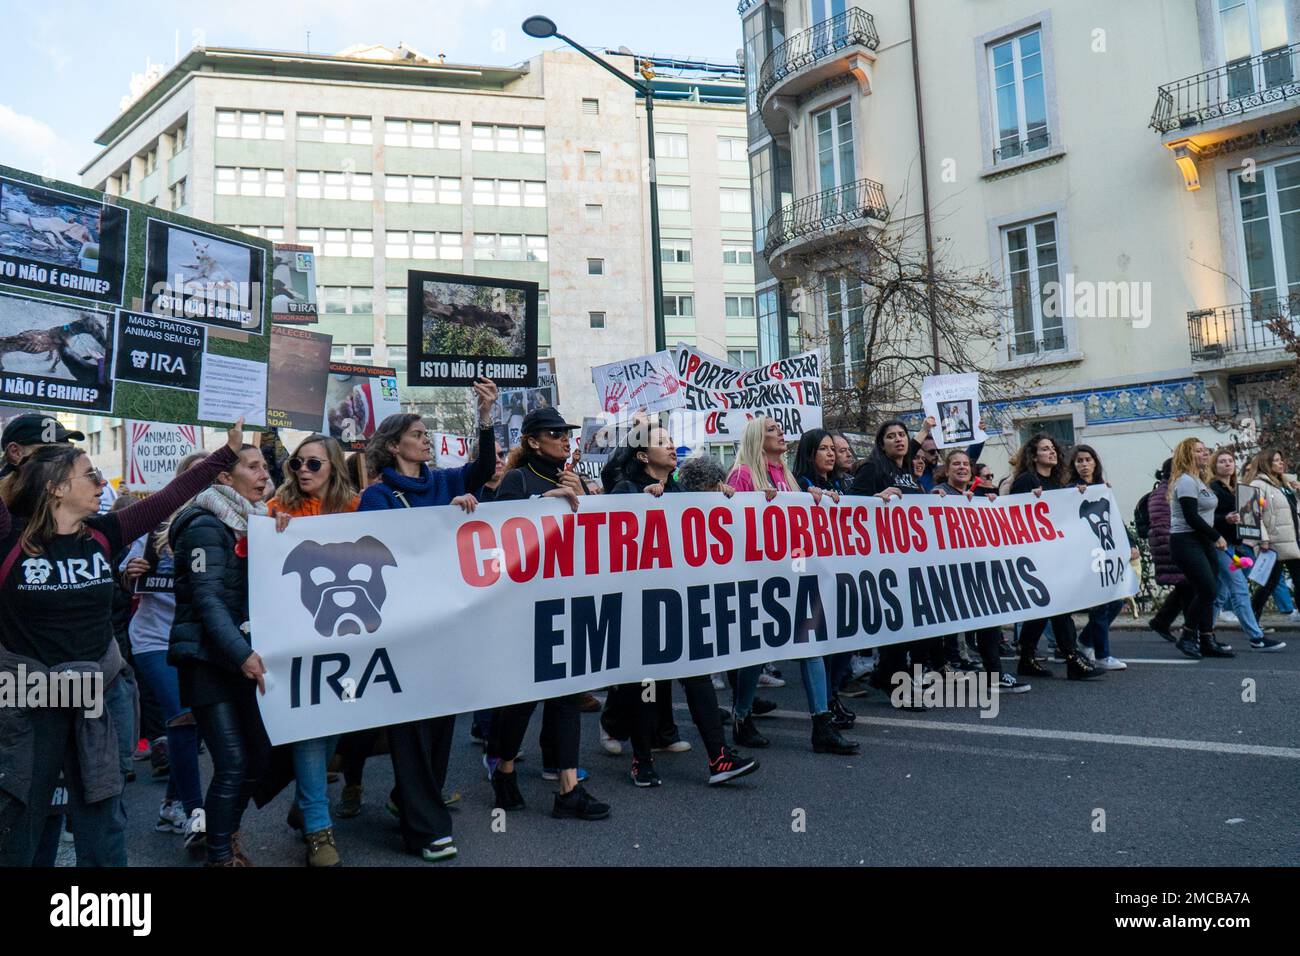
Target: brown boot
point(238, 851)
point(232, 861)
point(321, 850)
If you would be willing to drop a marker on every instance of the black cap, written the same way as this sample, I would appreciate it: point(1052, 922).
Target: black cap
point(544, 419)
point(31, 430)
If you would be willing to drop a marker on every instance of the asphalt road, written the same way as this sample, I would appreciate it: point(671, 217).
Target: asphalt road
point(1185, 772)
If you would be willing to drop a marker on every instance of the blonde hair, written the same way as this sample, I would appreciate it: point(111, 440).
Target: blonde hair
point(1184, 463)
point(750, 454)
point(338, 492)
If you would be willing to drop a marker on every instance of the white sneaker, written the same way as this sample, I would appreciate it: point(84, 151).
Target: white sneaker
point(171, 817)
point(611, 746)
point(767, 680)
point(1087, 652)
point(719, 682)
point(1111, 664)
point(1228, 619)
point(1294, 615)
point(861, 665)
point(678, 746)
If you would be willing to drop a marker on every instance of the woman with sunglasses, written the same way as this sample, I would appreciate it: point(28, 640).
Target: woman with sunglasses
point(56, 597)
point(420, 749)
point(316, 484)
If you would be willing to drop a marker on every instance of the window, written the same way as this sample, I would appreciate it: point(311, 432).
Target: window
point(274, 233)
point(739, 306)
point(596, 319)
point(735, 254)
point(347, 300)
point(239, 181)
point(1254, 28)
point(395, 300)
point(674, 197)
point(362, 353)
point(178, 194)
point(1269, 222)
point(325, 185)
point(422, 189)
point(356, 243)
point(1030, 263)
point(680, 306)
point(590, 107)
point(743, 358)
point(250, 124)
point(734, 200)
point(179, 141)
point(397, 359)
point(834, 131)
point(510, 248)
point(1019, 100)
point(423, 245)
point(1061, 430)
point(733, 149)
point(334, 129)
point(844, 327)
point(125, 181)
point(508, 139)
point(670, 145)
point(590, 159)
point(675, 250)
point(509, 192)
point(150, 161)
point(421, 134)
point(595, 213)
point(595, 267)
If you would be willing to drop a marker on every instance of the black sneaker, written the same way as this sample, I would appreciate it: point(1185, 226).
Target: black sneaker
point(729, 765)
point(644, 774)
point(1190, 644)
point(1164, 632)
point(578, 804)
point(1266, 644)
point(747, 735)
point(505, 789)
point(762, 706)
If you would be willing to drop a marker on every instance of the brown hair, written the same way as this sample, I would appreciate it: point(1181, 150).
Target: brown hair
point(338, 490)
point(1231, 483)
point(389, 432)
point(32, 493)
point(1024, 460)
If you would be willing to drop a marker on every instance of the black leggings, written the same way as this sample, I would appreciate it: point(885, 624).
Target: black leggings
point(565, 720)
point(1197, 560)
point(240, 752)
point(987, 640)
point(1261, 596)
point(1174, 604)
point(644, 721)
point(1062, 629)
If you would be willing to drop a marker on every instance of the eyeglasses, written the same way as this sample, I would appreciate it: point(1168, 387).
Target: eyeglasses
point(313, 464)
point(97, 477)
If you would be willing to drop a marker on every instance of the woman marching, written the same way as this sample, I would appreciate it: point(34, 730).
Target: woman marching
point(760, 466)
point(1084, 470)
point(536, 469)
point(649, 470)
point(420, 749)
point(1267, 472)
point(316, 484)
point(1037, 469)
point(1234, 589)
point(56, 596)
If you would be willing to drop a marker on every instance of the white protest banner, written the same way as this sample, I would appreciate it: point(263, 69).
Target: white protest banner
point(449, 451)
point(376, 618)
point(953, 401)
point(153, 451)
point(720, 399)
point(647, 382)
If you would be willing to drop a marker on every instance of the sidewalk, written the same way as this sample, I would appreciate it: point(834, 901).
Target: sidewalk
point(1126, 621)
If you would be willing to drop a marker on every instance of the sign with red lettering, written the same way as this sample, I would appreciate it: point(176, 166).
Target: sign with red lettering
point(720, 399)
point(384, 617)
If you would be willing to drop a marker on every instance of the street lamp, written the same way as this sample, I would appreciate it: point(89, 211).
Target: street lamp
point(543, 28)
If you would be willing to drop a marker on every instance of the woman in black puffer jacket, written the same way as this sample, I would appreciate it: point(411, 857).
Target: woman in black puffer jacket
point(218, 671)
point(1167, 572)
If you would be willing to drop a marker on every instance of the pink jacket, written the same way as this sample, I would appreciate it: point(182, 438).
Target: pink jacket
point(742, 479)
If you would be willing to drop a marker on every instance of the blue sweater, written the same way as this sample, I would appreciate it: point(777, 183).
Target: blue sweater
point(434, 486)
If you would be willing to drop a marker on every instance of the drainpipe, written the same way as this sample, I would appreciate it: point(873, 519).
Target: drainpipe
point(925, 190)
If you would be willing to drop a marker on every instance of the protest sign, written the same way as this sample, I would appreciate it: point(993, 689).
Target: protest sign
point(720, 399)
point(1250, 506)
point(297, 378)
point(293, 285)
point(153, 451)
point(648, 382)
point(56, 355)
point(535, 601)
point(462, 327)
point(953, 401)
point(513, 404)
point(357, 399)
point(449, 451)
point(162, 352)
point(204, 277)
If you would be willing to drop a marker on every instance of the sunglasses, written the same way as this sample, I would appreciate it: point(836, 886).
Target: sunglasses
point(313, 464)
point(97, 477)
point(556, 432)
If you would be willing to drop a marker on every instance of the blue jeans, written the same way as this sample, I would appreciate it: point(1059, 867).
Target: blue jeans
point(183, 737)
point(1234, 591)
point(1282, 596)
point(811, 669)
point(1096, 633)
point(310, 758)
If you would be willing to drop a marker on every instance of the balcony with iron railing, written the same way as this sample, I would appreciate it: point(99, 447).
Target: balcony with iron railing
point(1242, 334)
point(813, 222)
point(843, 45)
point(1230, 100)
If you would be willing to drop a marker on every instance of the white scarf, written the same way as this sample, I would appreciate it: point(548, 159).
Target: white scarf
point(229, 506)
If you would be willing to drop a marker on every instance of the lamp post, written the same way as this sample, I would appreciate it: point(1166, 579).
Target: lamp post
point(543, 28)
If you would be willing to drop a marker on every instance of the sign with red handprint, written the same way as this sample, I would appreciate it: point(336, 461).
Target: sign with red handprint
point(647, 383)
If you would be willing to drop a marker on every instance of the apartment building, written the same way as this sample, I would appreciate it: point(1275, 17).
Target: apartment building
point(1124, 169)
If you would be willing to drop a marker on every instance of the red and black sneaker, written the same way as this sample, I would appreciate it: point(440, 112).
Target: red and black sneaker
point(644, 774)
point(729, 765)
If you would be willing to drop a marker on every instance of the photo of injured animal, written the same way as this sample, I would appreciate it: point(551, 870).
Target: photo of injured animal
point(55, 355)
point(357, 399)
point(204, 278)
point(463, 327)
point(293, 285)
point(58, 242)
point(297, 378)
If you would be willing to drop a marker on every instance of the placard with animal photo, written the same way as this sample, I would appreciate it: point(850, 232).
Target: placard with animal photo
point(463, 327)
point(357, 399)
point(1250, 508)
point(297, 378)
point(200, 277)
point(955, 423)
point(293, 285)
point(53, 241)
point(513, 404)
point(161, 352)
point(54, 355)
point(953, 401)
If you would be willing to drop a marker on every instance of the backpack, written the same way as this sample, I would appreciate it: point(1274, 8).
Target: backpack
point(1142, 517)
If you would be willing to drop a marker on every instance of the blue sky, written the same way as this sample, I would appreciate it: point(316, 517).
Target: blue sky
point(63, 80)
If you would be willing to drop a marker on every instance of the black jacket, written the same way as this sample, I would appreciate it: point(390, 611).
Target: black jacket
point(878, 473)
point(211, 603)
point(635, 481)
point(534, 477)
point(1226, 505)
point(1027, 481)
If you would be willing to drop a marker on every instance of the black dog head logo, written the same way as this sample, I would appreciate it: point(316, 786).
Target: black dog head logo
point(1097, 514)
point(342, 584)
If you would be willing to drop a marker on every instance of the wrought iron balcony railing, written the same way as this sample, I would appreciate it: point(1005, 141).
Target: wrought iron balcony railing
point(1214, 333)
point(853, 27)
point(1230, 90)
point(1014, 149)
point(744, 5)
point(842, 205)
